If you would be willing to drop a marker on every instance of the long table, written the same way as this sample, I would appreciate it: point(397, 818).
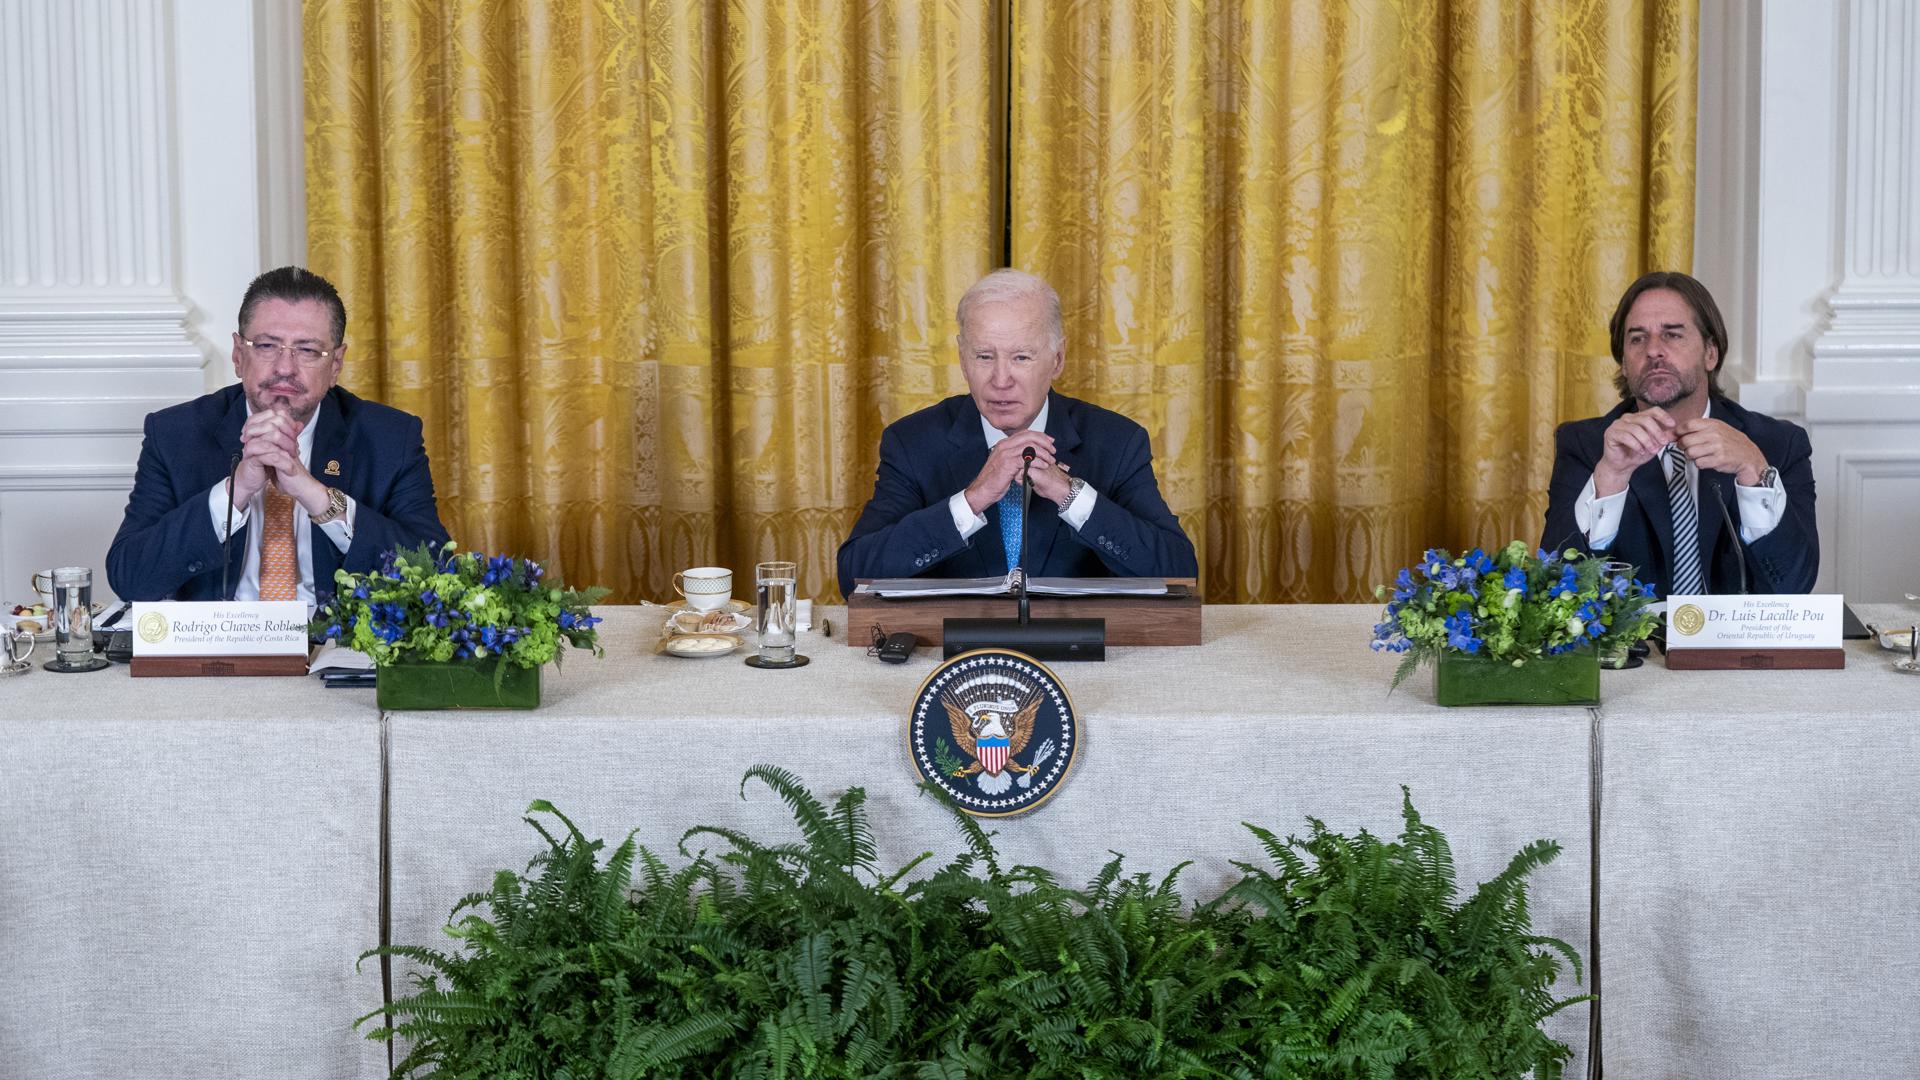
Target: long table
point(190, 867)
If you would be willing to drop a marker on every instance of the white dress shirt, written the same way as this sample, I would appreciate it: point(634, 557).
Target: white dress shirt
point(339, 530)
point(1077, 510)
point(1761, 508)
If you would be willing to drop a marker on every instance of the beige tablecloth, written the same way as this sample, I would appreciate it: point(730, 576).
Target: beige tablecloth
point(189, 868)
point(1759, 870)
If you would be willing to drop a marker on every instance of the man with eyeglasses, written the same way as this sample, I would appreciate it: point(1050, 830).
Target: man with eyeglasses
point(945, 470)
point(320, 479)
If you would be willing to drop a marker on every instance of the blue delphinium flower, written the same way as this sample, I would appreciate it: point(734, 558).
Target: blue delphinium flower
point(1516, 578)
point(1478, 562)
point(1460, 633)
point(1443, 575)
point(1403, 586)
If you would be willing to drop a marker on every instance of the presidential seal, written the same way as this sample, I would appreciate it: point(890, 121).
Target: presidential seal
point(153, 628)
point(995, 730)
point(1689, 620)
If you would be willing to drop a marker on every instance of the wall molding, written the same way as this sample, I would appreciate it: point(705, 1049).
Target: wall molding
point(1858, 552)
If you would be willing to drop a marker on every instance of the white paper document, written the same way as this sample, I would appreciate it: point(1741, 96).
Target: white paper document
point(895, 588)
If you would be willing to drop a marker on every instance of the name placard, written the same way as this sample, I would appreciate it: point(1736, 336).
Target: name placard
point(1764, 621)
point(217, 628)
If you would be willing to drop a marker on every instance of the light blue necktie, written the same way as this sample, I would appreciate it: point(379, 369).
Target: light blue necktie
point(1010, 523)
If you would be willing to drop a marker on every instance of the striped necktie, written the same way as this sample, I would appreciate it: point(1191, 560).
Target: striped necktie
point(279, 561)
point(1686, 527)
point(1010, 511)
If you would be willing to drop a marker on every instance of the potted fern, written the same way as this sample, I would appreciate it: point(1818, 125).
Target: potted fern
point(1515, 627)
point(457, 630)
point(1344, 956)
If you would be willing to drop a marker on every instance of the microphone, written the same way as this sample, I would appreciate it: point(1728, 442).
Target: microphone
point(1733, 533)
point(1042, 639)
point(226, 541)
point(1026, 504)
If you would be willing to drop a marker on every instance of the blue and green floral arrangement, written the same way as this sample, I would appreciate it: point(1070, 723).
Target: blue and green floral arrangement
point(1510, 607)
point(454, 605)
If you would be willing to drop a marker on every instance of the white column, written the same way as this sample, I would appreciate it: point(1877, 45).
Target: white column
point(131, 218)
point(1871, 343)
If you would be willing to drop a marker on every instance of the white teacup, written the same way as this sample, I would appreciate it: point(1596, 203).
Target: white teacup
point(706, 588)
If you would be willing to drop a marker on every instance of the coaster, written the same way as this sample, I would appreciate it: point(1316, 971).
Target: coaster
point(61, 667)
point(755, 661)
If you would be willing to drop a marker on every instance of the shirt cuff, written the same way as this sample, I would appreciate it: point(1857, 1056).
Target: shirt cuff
point(964, 518)
point(340, 529)
point(217, 507)
point(1761, 508)
point(1080, 507)
point(1599, 518)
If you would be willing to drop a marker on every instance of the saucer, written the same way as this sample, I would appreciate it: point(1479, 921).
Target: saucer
point(18, 667)
point(698, 646)
point(730, 605)
point(1906, 664)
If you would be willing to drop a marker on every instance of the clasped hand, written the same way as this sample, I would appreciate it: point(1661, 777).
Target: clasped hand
point(270, 453)
point(1003, 466)
point(1638, 437)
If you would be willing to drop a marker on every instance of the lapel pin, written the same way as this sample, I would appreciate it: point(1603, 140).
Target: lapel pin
point(333, 468)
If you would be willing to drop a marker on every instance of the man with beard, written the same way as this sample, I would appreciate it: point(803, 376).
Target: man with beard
point(331, 480)
point(1658, 481)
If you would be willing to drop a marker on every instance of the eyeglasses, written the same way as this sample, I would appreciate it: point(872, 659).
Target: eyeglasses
point(266, 352)
point(879, 639)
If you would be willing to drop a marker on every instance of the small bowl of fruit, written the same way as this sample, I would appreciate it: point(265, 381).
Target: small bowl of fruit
point(30, 619)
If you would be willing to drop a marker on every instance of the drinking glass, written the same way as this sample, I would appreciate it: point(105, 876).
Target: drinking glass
point(73, 615)
point(776, 584)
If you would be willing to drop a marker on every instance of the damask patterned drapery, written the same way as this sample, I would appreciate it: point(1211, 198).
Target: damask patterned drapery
point(655, 274)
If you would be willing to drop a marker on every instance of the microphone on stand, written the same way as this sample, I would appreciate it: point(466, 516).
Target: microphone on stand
point(1733, 533)
point(1026, 504)
point(226, 541)
point(1042, 639)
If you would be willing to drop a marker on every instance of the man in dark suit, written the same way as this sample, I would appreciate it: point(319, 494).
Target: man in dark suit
point(330, 480)
point(1658, 481)
point(950, 470)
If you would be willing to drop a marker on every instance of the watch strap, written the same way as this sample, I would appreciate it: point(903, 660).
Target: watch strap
point(336, 507)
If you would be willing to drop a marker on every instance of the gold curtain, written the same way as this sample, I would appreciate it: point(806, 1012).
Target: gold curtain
point(653, 274)
point(1350, 262)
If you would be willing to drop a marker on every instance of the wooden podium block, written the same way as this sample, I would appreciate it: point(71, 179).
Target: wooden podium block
point(1172, 619)
point(1755, 659)
point(175, 666)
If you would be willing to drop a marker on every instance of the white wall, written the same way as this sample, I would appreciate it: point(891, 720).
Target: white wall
point(1808, 231)
point(150, 166)
point(145, 178)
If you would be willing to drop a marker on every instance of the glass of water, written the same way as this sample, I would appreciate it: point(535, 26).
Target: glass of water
point(776, 585)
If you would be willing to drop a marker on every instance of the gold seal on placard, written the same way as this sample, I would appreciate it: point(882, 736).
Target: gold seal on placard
point(1689, 620)
point(153, 628)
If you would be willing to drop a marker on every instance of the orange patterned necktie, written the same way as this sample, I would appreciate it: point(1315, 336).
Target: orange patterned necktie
point(279, 564)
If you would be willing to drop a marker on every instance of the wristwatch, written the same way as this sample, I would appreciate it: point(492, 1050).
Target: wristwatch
point(1074, 487)
point(336, 506)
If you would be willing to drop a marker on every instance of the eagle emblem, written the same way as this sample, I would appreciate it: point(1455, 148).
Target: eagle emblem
point(995, 730)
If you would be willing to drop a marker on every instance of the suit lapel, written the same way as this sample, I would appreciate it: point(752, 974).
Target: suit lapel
point(229, 440)
point(328, 463)
point(1043, 517)
point(1649, 487)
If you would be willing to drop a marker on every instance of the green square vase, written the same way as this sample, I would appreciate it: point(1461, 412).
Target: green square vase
point(1569, 679)
point(456, 684)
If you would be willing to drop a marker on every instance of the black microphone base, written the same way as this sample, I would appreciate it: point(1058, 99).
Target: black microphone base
point(1042, 639)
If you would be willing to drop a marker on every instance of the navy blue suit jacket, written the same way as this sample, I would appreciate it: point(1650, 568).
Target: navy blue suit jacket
point(166, 547)
point(1785, 560)
point(906, 529)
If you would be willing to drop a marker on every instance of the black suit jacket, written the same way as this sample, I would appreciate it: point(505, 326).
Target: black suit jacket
point(166, 547)
point(1785, 560)
point(906, 530)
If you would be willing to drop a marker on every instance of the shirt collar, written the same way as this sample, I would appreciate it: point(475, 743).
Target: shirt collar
point(994, 434)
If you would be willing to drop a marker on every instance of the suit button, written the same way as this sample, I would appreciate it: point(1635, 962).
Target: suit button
point(193, 568)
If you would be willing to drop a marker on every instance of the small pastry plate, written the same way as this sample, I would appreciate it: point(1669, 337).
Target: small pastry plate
point(695, 646)
point(709, 622)
point(45, 622)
